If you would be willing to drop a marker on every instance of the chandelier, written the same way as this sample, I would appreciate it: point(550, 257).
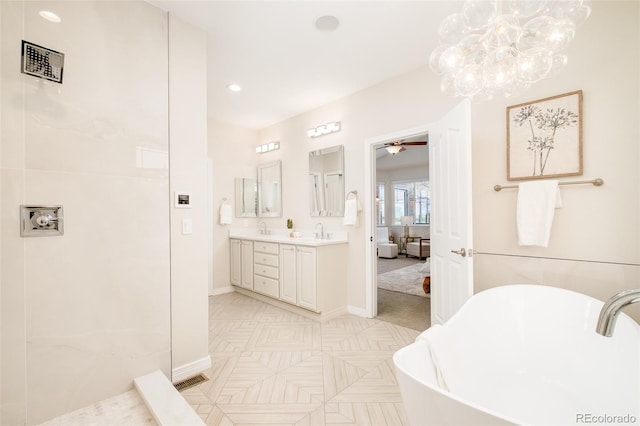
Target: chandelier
point(495, 46)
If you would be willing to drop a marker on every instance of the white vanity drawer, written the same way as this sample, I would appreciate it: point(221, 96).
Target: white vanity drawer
point(262, 247)
point(266, 271)
point(266, 286)
point(265, 259)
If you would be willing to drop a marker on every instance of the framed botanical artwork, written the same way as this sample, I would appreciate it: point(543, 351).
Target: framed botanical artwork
point(544, 138)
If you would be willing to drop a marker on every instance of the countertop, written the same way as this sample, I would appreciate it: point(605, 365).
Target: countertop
point(282, 237)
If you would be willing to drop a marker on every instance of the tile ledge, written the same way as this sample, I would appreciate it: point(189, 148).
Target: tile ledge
point(165, 403)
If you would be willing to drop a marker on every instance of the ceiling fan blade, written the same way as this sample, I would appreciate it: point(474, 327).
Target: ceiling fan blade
point(414, 143)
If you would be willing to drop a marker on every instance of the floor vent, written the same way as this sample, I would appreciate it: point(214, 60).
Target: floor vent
point(190, 382)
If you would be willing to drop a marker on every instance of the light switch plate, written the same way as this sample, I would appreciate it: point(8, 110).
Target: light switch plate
point(187, 226)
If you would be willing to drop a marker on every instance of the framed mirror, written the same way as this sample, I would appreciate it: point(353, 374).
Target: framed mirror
point(270, 189)
point(246, 192)
point(326, 181)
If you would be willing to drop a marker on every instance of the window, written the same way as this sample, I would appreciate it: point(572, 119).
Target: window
point(400, 203)
point(412, 198)
point(380, 204)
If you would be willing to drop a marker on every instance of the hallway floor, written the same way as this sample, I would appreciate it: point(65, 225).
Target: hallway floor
point(409, 311)
point(398, 308)
point(274, 366)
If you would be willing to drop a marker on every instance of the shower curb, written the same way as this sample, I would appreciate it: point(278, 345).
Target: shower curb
point(165, 403)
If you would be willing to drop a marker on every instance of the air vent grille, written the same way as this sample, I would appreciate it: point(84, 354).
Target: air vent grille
point(190, 382)
point(42, 62)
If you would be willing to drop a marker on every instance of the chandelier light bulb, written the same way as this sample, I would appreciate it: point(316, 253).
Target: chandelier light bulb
point(504, 46)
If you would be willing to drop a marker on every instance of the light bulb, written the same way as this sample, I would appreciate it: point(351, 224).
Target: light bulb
point(451, 59)
point(469, 81)
point(534, 64)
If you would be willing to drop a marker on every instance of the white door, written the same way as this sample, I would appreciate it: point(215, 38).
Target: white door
point(451, 219)
point(333, 191)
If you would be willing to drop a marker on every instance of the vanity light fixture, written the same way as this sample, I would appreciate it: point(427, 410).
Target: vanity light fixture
point(234, 87)
point(266, 147)
point(325, 129)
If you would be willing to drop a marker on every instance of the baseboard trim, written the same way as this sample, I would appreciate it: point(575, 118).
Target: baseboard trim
point(223, 290)
point(191, 369)
point(326, 316)
point(357, 311)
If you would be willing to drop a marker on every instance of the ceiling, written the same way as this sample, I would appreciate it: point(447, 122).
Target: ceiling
point(286, 66)
point(412, 156)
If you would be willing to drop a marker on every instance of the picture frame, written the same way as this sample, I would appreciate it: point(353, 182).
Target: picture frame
point(544, 138)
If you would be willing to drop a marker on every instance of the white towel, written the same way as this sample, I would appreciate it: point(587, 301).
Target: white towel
point(351, 209)
point(226, 214)
point(536, 203)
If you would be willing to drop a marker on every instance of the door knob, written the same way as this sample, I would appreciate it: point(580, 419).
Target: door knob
point(462, 252)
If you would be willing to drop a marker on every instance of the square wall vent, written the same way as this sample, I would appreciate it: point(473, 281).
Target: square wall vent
point(42, 62)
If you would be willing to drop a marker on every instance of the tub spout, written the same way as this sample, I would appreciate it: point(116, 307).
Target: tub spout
point(610, 310)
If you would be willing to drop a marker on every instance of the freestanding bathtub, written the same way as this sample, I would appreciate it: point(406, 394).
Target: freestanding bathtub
point(523, 354)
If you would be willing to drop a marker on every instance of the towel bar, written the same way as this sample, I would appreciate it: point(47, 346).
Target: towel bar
point(594, 182)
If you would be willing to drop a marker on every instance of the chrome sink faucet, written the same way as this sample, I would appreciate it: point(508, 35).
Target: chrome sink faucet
point(263, 231)
point(321, 233)
point(610, 310)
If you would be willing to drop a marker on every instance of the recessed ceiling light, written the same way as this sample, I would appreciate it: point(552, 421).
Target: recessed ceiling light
point(327, 23)
point(234, 87)
point(50, 16)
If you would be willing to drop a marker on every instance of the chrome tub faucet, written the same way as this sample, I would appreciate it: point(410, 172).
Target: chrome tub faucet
point(610, 310)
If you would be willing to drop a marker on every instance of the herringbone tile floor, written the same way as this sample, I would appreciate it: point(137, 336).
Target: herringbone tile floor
point(271, 366)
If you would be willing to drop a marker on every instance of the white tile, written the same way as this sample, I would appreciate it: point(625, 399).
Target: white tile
point(127, 408)
point(293, 370)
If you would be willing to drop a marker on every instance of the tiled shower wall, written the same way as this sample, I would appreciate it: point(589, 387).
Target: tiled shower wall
point(84, 313)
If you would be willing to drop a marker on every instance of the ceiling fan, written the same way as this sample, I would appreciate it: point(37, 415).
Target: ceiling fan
point(398, 146)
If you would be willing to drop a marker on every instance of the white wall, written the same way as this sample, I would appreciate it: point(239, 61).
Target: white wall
point(232, 151)
point(85, 313)
point(595, 241)
point(188, 173)
point(597, 226)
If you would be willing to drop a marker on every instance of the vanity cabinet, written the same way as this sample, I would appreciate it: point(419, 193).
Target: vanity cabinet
point(242, 263)
point(265, 268)
point(288, 281)
point(298, 283)
point(304, 276)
